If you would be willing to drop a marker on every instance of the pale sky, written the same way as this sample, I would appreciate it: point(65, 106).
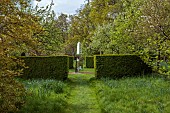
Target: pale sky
point(62, 6)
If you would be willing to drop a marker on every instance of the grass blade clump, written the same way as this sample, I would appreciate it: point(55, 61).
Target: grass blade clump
point(45, 95)
point(133, 95)
point(57, 87)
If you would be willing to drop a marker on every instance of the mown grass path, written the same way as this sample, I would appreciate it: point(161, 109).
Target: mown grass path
point(82, 98)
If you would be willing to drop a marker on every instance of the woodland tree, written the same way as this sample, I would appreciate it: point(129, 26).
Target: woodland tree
point(144, 26)
point(17, 28)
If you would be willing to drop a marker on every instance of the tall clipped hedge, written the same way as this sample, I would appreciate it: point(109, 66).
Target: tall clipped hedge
point(54, 67)
point(71, 62)
point(116, 66)
point(90, 62)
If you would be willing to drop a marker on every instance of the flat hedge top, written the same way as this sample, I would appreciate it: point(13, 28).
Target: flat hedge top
point(43, 56)
point(118, 55)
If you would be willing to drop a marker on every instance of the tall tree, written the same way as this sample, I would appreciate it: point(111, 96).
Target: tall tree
point(81, 26)
point(101, 14)
point(103, 11)
point(156, 28)
point(62, 24)
point(145, 27)
point(48, 37)
point(101, 40)
point(17, 28)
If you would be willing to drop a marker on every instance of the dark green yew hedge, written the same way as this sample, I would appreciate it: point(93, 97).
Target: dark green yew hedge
point(71, 62)
point(90, 62)
point(54, 67)
point(117, 66)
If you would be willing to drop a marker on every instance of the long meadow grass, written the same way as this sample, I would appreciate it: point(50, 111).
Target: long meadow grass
point(45, 96)
point(147, 94)
point(133, 95)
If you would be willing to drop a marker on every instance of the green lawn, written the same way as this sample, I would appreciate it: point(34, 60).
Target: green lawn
point(82, 94)
point(133, 95)
point(82, 97)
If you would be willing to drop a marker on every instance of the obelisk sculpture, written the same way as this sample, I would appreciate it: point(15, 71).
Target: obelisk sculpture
point(77, 67)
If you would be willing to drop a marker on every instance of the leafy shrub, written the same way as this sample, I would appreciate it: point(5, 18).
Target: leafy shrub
point(71, 62)
point(12, 95)
point(90, 62)
point(55, 67)
point(116, 66)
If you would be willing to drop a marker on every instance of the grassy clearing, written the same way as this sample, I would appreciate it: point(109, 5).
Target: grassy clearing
point(133, 95)
point(45, 96)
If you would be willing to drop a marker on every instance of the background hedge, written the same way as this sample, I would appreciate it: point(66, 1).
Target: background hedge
point(55, 67)
point(116, 66)
point(71, 62)
point(90, 62)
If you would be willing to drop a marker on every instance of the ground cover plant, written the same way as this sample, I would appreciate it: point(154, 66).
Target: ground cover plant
point(45, 96)
point(133, 95)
